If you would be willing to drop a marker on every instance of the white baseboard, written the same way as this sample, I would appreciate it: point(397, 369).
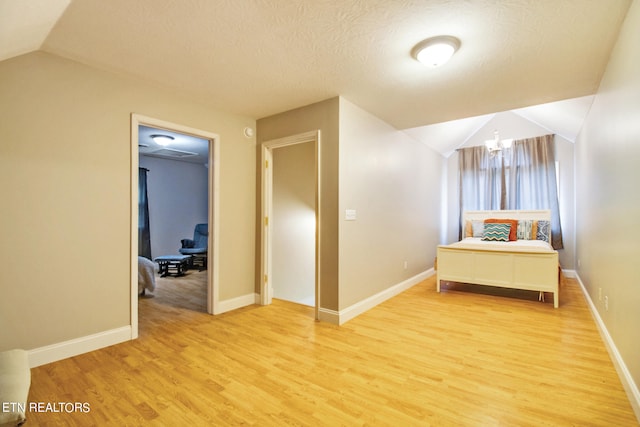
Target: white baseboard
point(625, 376)
point(367, 304)
point(237, 302)
point(77, 346)
point(52, 353)
point(571, 274)
point(329, 316)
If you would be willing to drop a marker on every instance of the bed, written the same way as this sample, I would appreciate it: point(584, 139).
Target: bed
point(528, 262)
point(146, 275)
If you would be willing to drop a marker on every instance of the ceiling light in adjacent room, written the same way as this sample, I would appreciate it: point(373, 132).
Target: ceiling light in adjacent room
point(162, 139)
point(435, 51)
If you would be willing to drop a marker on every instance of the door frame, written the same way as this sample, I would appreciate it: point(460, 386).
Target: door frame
point(266, 290)
point(213, 210)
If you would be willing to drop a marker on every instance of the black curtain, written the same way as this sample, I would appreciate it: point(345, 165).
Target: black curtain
point(144, 235)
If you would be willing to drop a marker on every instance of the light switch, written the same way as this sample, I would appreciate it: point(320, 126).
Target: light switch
point(350, 214)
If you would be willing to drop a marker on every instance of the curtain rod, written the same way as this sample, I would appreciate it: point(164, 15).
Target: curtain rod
point(514, 140)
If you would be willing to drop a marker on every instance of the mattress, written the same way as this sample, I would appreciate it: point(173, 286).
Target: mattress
point(476, 243)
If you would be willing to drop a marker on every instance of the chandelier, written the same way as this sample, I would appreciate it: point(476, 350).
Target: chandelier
point(496, 144)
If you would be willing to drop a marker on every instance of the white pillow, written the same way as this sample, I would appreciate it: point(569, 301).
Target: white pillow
point(15, 379)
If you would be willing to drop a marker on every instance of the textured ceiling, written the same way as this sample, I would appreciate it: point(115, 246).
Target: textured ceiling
point(183, 147)
point(261, 57)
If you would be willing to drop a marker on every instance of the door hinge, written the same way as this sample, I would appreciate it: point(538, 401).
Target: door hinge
point(266, 221)
point(266, 164)
point(266, 278)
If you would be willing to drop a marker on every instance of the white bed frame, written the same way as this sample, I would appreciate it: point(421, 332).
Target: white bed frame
point(534, 270)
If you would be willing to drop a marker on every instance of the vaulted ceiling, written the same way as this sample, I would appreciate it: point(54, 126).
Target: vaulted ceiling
point(261, 57)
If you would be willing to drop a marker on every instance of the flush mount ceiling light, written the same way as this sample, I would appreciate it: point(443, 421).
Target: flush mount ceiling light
point(435, 51)
point(162, 139)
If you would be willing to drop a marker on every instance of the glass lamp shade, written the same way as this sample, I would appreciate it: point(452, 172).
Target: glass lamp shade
point(435, 55)
point(436, 51)
point(162, 139)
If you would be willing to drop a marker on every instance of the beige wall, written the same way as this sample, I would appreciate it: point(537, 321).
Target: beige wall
point(394, 185)
point(511, 125)
point(608, 205)
point(65, 159)
point(293, 223)
point(392, 181)
point(323, 116)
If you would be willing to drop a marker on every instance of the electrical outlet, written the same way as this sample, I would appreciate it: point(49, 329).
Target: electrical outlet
point(405, 265)
point(606, 303)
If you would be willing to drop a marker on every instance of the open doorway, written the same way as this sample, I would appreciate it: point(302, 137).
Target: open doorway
point(290, 201)
point(169, 240)
point(294, 223)
point(173, 214)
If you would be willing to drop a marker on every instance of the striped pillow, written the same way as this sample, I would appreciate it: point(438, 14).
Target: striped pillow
point(496, 232)
point(514, 225)
point(525, 230)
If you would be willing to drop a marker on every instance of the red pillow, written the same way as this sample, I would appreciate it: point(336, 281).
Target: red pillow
point(513, 231)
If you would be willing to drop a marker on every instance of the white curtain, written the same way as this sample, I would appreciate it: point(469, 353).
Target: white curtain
point(520, 177)
point(480, 180)
point(531, 180)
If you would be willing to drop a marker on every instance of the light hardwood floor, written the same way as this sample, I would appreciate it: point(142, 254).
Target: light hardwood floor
point(458, 358)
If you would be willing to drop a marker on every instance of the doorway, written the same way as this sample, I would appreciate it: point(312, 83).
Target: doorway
point(291, 206)
point(141, 124)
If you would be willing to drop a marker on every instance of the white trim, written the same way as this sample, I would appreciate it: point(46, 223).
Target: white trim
point(62, 350)
point(309, 136)
point(570, 274)
point(629, 385)
point(265, 238)
point(133, 261)
point(329, 316)
point(214, 226)
point(237, 302)
point(368, 303)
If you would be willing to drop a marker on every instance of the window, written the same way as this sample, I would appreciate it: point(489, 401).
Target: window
point(521, 177)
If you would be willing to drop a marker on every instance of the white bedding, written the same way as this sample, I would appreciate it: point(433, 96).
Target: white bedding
point(146, 275)
point(477, 243)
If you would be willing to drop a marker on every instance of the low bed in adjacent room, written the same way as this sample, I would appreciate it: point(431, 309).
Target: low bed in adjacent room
point(146, 275)
point(507, 249)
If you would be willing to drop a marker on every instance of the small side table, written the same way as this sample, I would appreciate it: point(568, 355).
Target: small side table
point(172, 264)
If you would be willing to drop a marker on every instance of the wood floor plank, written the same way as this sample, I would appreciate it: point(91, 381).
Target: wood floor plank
point(463, 357)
